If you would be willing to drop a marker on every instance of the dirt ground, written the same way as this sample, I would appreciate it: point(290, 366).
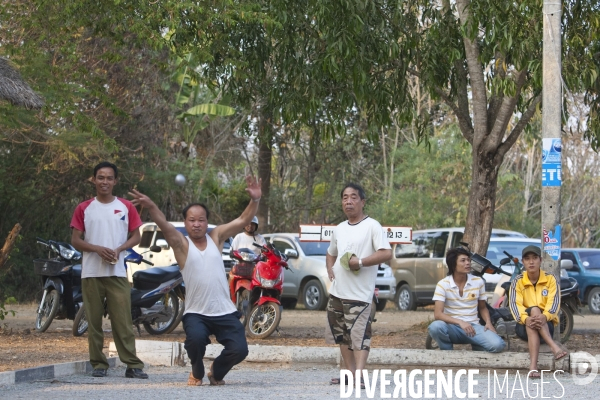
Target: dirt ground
point(21, 346)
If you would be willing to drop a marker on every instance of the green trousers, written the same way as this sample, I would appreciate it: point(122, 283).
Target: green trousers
point(117, 292)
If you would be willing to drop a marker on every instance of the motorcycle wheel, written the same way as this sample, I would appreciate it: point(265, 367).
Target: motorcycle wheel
point(171, 301)
point(263, 321)
point(431, 344)
point(80, 323)
point(565, 316)
point(243, 295)
point(48, 311)
point(179, 316)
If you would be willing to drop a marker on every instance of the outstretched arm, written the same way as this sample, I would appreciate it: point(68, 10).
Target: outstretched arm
point(175, 238)
point(222, 232)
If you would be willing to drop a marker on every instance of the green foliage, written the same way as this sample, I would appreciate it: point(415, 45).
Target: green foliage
point(3, 311)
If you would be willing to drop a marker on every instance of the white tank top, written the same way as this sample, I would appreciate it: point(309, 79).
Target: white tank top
point(206, 288)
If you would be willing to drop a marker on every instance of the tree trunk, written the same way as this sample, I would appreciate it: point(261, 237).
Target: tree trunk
point(265, 156)
point(311, 170)
point(482, 201)
point(9, 244)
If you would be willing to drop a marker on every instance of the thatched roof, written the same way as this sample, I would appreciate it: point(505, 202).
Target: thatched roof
point(14, 89)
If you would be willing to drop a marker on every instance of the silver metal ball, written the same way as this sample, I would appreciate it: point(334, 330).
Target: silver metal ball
point(180, 180)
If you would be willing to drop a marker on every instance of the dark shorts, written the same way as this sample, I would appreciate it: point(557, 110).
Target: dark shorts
point(521, 330)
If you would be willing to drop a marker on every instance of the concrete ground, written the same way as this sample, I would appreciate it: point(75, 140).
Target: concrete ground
point(285, 381)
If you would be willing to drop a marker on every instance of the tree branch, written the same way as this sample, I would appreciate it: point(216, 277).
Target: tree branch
point(516, 132)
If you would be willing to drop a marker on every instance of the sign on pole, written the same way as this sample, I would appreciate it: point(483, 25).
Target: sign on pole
point(322, 233)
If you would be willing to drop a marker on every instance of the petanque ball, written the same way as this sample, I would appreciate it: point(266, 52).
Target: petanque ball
point(180, 180)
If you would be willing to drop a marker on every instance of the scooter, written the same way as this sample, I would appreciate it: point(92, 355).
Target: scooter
point(240, 278)
point(500, 315)
point(154, 299)
point(265, 293)
point(61, 279)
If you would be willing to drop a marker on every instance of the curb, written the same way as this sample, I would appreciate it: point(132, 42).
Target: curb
point(46, 372)
point(173, 353)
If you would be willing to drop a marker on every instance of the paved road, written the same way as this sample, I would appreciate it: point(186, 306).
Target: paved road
point(261, 382)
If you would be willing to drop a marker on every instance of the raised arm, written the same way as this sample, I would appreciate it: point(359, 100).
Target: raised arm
point(222, 232)
point(174, 238)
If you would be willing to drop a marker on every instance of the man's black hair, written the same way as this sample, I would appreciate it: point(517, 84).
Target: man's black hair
point(452, 256)
point(355, 186)
point(106, 164)
point(185, 210)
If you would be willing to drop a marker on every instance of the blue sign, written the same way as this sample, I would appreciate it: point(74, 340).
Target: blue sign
point(551, 175)
point(551, 162)
point(551, 150)
point(552, 243)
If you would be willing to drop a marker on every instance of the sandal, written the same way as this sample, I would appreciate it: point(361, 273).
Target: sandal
point(212, 380)
point(337, 381)
point(561, 354)
point(534, 374)
point(193, 381)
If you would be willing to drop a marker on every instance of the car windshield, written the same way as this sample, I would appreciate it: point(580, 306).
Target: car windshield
point(496, 249)
point(313, 248)
point(590, 258)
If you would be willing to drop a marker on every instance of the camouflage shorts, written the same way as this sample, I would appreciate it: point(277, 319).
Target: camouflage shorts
point(349, 323)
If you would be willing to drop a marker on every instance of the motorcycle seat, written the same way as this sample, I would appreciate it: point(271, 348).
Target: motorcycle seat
point(152, 277)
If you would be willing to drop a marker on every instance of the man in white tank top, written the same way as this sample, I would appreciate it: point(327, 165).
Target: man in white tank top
point(208, 307)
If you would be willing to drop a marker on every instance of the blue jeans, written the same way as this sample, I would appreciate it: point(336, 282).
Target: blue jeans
point(447, 335)
point(228, 331)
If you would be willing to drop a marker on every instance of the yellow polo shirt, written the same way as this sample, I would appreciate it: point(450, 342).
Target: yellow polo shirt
point(545, 295)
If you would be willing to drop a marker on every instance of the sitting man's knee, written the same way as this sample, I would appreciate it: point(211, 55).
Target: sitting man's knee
point(241, 352)
point(436, 326)
point(497, 346)
point(535, 311)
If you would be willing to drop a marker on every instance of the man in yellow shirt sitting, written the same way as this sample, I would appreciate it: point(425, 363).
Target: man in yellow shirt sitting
point(534, 303)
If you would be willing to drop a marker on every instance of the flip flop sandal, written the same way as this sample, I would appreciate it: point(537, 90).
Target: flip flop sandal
point(336, 381)
point(193, 381)
point(534, 374)
point(212, 380)
point(561, 354)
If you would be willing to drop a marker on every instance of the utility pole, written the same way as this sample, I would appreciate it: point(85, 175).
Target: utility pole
point(551, 139)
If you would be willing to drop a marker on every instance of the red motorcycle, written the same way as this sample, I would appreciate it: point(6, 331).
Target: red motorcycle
point(240, 279)
point(265, 294)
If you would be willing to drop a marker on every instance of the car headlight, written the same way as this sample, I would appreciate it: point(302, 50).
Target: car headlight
point(387, 272)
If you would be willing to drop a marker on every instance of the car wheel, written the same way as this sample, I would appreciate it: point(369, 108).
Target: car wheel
point(314, 295)
point(405, 299)
point(593, 300)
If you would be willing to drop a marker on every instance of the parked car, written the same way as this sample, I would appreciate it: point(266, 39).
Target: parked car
point(153, 236)
point(420, 265)
point(586, 271)
point(308, 281)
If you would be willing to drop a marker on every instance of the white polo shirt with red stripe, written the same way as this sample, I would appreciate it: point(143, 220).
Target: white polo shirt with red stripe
point(106, 225)
point(461, 307)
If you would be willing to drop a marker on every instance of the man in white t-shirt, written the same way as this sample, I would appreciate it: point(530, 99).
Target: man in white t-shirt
point(103, 228)
point(457, 298)
point(358, 245)
point(208, 307)
point(245, 240)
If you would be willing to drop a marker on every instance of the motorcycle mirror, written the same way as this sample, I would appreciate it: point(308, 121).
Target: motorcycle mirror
point(505, 261)
point(155, 249)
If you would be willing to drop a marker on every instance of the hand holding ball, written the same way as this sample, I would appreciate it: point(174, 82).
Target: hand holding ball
point(180, 180)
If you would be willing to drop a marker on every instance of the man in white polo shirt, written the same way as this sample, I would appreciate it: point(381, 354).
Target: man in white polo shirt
point(457, 298)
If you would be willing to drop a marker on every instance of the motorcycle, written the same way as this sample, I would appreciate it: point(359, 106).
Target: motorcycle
point(61, 280)
point(500, 315)
point(240, 278)
point(265, 293)
point(155, 299)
